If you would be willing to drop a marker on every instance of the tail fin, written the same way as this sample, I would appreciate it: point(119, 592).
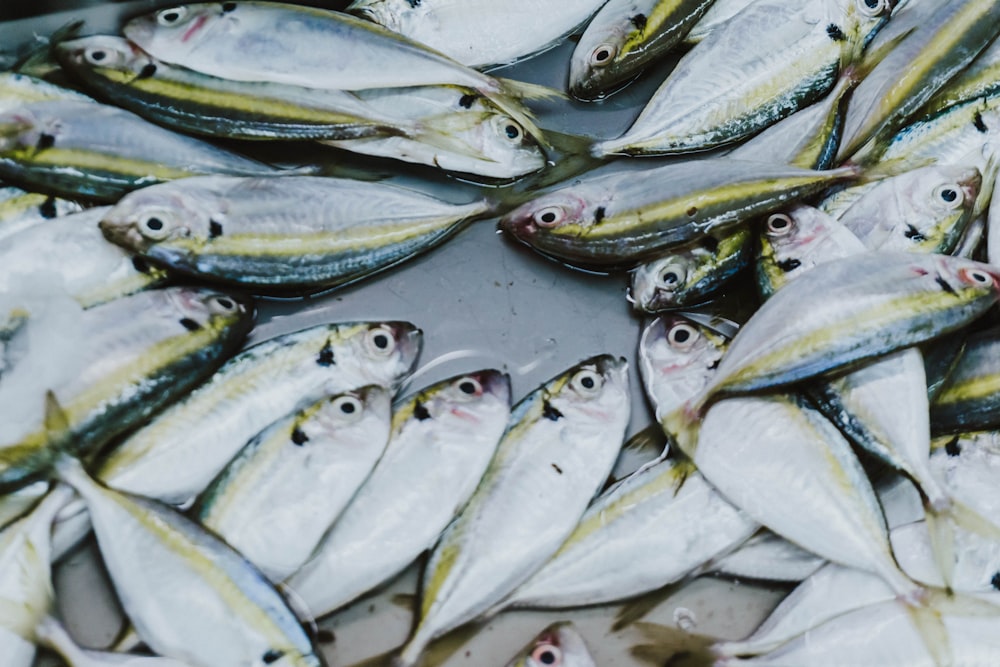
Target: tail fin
point(671, 647)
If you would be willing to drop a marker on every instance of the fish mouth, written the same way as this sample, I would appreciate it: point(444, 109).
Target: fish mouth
point(125, 235)
point(409, 339)
point(496, 383)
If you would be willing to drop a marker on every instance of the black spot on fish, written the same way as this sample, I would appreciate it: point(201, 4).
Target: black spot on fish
point(787, 265)
point(48, 208)
point(692, 211)
point(550, 412)
point(835, 33)
point(272, 656)
point(228, 7)
point(714, 364)
point(599, 214)
point(709, 243)
point(214, 229)
point(140, 264)
point(420, 411)
point(953, 448)
point(147, 71)
point(914, 234)
point(945, 286)
point(45, 140)
point(466, 101)
point(299, 437)
point(977, 120)
point(190, 324)
point(557, 468)
point(413, 3)
point(325, 357)
point(995, 581)
point(639, 21)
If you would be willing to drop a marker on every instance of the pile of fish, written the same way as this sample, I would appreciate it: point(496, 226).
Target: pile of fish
point(828, 167)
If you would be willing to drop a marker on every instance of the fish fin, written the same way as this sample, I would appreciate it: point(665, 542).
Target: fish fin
point(440, 650)
point(634, 610)
point(40, 61)
point(879, 171)
point(942, 538)
point(932, 631)
point(970, 520)
point(56, 421)
point(859, 66)
point(682, 425)
point(643, 447)
point(523, 90)
point(127, 639)
point(405, 600)
point(672, 647)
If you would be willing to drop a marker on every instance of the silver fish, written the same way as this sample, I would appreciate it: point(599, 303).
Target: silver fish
point(51, 634)
point(558, 645)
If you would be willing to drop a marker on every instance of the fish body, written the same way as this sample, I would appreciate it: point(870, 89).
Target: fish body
point(100, 152)
point(174, 457)
point(240, 619)
point(980, 79)
point(20, 209)
point(559, 448)
point(442, 440)
point(72, 247)
point(969, 400)
point(479, 33)
point(281, 493)
point(297, 232)
point(624, 37)
point(767, 557)
point(618, 219)
point(133, 356)
point(729, 86)
point(720, 12)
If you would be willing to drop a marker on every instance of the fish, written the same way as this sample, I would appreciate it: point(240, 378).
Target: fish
point(72, 248)
point(730, 86)
point(131, 357)
point(188, 101)
point(969, 399)
point(720, 12)
point(442, 439)
point(767, 557)
point(980, 79)
point(938, 49)
point(99, 152)
point(558, 449)
point(479, 34)
point(290, 46)
point(656, 527)
point(15, 505)
point(26, 594)
point(621, 218)
point(559, 645)
point(626, 36)
point(692, 273)
point(276, 499)
point(455, 129)
point(240, 618)
point(175, 456)
point(296, 232)
point(17, 88)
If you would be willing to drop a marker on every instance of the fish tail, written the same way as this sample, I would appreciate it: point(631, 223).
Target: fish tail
point(412, 651)
point(671, 647)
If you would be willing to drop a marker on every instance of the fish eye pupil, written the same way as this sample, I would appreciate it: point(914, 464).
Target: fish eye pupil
point(873, 4)
point(682, 335)
point(98, 55)
point(170, 17)
point(381, 341)
point(512, 132)
point(348, 408)
point(601, 56)
point(548, 216)
point(226, 303)
point(949, 195)
point(671, 278)
point(467, 387)
point(587, 382)
point(154, 224)
point(547, 658)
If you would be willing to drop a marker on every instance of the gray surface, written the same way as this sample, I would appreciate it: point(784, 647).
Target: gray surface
point(482, 302)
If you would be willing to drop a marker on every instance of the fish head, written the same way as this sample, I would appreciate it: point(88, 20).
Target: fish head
point(952, 188)
point(860, 20)
point(965, 278)
point(102, 52)
point(383, 352)
point(558, 645)
point(179, 29)
point(802, 237)
point(565, 212)
point(596, 64)
point(658, 285)
point(289, 658)
point(354, 418)
point(198, 308)
point(466, 405)
point(501, 141)
point(387, 13)
point(596, 390)
point(165, 213)
point(26, 128)
point(677, 359)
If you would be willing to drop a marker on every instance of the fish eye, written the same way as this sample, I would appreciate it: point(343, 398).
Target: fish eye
point(587, 383)
point(222, 305)
point(779, 224)
point(469, 386)
point(976, 277)
point(96, 55)
point(172, 16)
point(672, 277)
point(508, 129)
point(380, 341)
point(550, 216)
point(874, 7)
point(682, 336)
point(603, 55)
point(153, 227)
point(949, 194)
point(547, 654)
point(347, 406)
